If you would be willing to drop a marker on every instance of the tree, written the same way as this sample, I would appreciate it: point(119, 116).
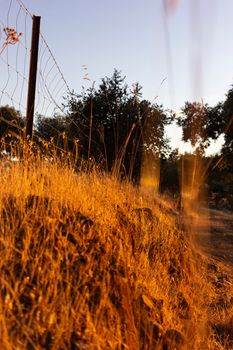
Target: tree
point(170, 173)
point(227, 116)
point(11, 125)
point(202, 123)
point(51, 128)
point(114, 125)
point(193, 121)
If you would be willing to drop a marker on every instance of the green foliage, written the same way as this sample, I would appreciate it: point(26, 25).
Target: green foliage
point(11, 122)
point(113, 125)
point(201, 124)
point(228, 129)
point(215, 122)
point(193, 122)
point(51, 128)
point(170, 173)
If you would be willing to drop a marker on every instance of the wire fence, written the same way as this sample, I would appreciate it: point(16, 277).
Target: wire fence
point(15, 42)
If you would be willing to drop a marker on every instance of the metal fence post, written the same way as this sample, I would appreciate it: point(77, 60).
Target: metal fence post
point(32, 76)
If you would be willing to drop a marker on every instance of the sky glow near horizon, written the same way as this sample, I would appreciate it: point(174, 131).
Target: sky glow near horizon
point(185, 55)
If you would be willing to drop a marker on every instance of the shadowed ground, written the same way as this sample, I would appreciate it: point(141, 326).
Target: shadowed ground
point(214, 234)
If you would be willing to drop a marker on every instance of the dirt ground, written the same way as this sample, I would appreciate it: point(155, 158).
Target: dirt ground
point(212, 234)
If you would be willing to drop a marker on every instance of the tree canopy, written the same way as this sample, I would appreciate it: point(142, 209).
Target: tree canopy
point(11, 122)
point(112, 125)
point(11, 126)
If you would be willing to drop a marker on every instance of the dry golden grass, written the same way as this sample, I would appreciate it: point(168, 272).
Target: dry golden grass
point(88, 262)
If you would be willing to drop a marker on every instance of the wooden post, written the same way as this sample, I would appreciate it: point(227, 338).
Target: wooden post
point(32, 76)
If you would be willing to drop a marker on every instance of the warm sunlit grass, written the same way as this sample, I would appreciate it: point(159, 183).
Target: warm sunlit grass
point(87, 262)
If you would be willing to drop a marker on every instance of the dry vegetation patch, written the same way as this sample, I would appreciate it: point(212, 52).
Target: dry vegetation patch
point(88, 262)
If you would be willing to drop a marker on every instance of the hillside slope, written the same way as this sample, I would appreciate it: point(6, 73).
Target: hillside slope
point(88, 262)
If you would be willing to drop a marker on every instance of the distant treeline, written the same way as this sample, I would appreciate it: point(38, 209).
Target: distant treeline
point(112, 125)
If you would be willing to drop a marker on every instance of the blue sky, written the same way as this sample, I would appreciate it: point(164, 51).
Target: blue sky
point(130, 36)
point(191, 48)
